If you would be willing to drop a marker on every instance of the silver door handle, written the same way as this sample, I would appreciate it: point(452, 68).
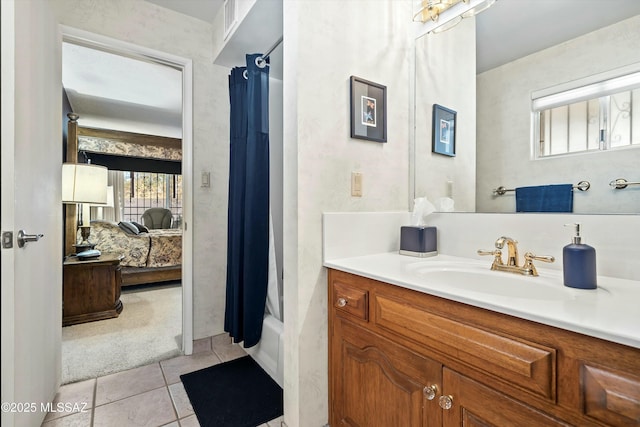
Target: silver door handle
point(23, 238)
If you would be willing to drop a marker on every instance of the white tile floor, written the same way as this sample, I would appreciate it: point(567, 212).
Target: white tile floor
point(150, 396)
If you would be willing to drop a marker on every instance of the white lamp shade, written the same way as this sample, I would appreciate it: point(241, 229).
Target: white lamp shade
point(84, 183)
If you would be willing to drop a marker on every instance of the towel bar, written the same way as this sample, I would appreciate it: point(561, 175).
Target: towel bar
point(582, 186)
point(621, 183)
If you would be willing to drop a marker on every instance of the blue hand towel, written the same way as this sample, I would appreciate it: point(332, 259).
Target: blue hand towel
point(545, 198)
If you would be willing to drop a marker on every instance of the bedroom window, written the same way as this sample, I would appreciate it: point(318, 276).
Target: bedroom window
point(144, 190)
point(598, 113)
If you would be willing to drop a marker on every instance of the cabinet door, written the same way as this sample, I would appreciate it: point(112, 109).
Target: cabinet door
point(473, 404)
point(380, 384)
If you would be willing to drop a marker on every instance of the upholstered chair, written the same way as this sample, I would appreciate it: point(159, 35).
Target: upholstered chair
point(154, 218)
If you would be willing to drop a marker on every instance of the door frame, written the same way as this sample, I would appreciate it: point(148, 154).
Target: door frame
point(108, 44)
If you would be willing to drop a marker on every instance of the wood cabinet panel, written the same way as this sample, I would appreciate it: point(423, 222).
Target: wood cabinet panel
point(611, 396)
point(526, 364)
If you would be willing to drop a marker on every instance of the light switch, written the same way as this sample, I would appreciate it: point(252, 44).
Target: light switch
point(206, 179)
point(356, 184)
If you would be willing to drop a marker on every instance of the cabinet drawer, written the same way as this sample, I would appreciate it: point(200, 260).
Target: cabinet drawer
point(611, 396)
point(350, 300)
point(527, 365)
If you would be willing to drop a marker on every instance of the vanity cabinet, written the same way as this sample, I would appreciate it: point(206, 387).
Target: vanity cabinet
point(398, 357)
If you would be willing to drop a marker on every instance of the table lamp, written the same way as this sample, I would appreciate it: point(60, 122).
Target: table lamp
point(84, 183)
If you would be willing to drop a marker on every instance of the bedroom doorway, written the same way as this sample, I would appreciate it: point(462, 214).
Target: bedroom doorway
point(156, 321)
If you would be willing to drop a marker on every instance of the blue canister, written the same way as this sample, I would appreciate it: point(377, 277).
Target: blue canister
point(579, 263)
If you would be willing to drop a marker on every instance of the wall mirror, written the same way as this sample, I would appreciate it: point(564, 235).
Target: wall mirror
point(522, 46)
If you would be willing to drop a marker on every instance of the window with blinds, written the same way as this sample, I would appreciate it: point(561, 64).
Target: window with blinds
point(144, 190)
point(598, 113)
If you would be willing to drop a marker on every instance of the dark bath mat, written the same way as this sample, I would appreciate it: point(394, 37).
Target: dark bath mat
point(238, 393)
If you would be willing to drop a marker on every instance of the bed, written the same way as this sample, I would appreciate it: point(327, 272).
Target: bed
point(148, 256)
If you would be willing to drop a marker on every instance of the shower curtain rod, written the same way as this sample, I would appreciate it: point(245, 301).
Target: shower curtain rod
point(260, 61)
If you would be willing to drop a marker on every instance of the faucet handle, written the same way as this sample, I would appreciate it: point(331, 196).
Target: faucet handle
point(544, 258)
point(529, 268)
point(497, 256)
point(495, 252)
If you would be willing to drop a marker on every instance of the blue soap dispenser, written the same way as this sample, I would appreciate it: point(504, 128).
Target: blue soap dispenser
point(579, 263)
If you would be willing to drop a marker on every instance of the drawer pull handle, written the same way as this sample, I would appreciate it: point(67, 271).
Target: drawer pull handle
point(342, 302)
point(430, 392)
point(446, 402)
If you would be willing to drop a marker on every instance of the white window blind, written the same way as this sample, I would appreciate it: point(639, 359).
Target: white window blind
point(599, 112)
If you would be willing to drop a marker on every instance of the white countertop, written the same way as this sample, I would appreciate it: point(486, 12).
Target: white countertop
point(611, 312)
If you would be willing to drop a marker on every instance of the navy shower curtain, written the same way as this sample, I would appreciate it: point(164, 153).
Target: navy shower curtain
point(248, 213)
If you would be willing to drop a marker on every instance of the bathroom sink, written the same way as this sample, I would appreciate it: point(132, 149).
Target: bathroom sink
point(478, 278)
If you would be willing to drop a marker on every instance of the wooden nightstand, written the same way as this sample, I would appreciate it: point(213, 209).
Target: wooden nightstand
point(91, 289)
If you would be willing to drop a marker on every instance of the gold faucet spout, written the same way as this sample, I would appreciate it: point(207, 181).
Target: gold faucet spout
point(512, 248)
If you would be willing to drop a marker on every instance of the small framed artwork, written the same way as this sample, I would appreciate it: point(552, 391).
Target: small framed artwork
point(444, 130)
point(368, 110)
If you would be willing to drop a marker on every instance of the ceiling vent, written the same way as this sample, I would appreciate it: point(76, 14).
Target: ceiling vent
point(230, 16)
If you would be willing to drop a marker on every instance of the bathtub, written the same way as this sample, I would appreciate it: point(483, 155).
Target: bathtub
point(269, 352)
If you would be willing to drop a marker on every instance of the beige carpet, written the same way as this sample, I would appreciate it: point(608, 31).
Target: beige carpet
point(148, 330)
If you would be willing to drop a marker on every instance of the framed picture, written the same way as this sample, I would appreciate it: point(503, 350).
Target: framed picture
point(368, 110)
point(444, 131)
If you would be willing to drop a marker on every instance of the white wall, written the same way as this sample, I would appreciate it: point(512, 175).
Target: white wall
point(148, 25)
point(325, 43)
point(437, 175)
point(504, 124)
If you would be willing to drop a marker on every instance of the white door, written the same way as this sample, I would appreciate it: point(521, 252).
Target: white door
point(31, 161)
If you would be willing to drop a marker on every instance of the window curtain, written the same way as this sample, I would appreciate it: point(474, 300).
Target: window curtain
point(248, 211)
point(115, 180)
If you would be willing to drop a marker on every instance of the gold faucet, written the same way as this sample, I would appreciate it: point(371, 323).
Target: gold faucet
point(512, 266)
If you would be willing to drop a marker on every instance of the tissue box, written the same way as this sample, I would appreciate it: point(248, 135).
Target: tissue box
point(420, 241)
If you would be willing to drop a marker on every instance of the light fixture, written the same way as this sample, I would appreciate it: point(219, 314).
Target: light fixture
point(481, 7)
point(441, 15)
point(450, 24)
point(84, 183)
point(431, 9)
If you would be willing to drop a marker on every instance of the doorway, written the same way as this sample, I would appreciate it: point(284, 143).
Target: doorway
point(142, 293)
